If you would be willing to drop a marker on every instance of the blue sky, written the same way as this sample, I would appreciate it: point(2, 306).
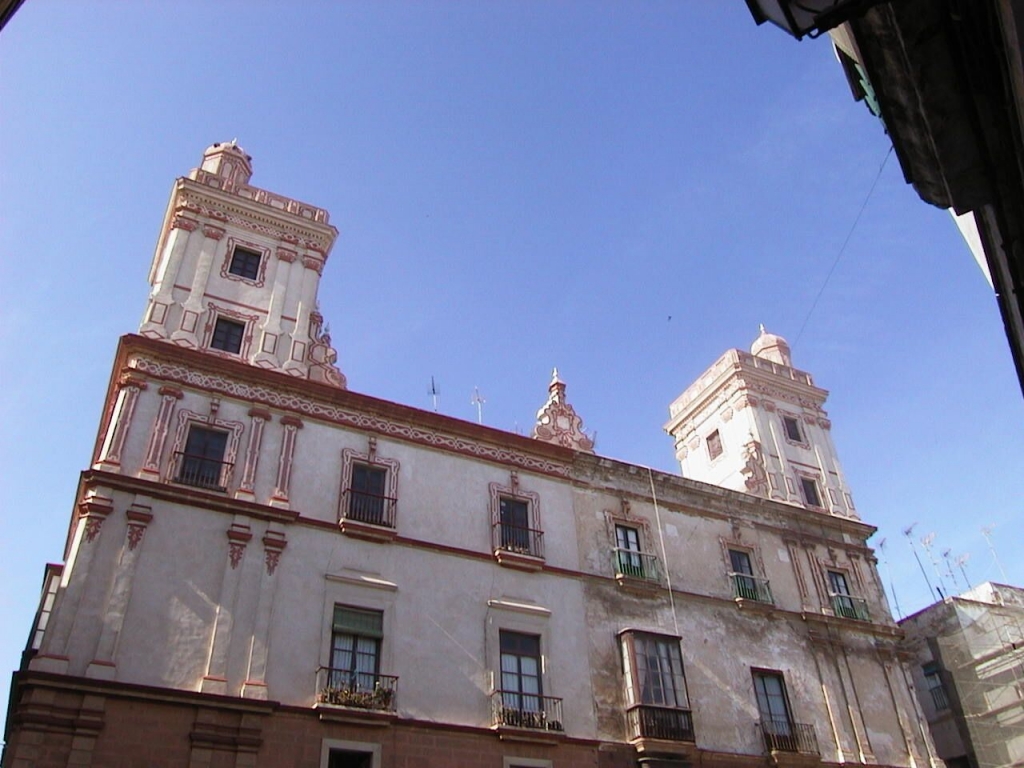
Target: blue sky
point(517, 185)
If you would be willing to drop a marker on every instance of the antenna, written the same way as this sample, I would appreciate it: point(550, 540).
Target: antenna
point(907, 532)
point(946, 553)
point(926, 542)
point(478, 401)
point(961, 562)
point(888, 572)
point(986, 531)
point(434, 393)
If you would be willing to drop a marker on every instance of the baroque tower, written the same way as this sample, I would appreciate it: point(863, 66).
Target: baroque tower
point(754, 423)
point(236, 271)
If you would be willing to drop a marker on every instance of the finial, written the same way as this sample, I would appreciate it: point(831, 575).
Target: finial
point(557, 421)
point(761, 326)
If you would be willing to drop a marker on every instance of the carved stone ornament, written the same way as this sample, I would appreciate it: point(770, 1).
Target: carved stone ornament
point(135, 534)
point(558, 423)
point(754, 474)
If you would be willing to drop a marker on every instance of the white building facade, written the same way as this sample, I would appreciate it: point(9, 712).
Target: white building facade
point(265, 568)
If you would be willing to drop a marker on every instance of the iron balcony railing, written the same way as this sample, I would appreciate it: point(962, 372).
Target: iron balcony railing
point(369, 508)
point(666, 723)
point(637, 565)
point(362, 690)
point(850, 607)
point(526, 710)
point(787, 736)
point(749, 587)
point(939, 698)
point(513, 538)
point(200, 472)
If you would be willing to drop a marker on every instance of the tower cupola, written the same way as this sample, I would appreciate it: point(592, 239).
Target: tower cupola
point(228, 161)
point(771, 347)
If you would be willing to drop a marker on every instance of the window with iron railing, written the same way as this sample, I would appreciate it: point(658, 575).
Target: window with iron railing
point(658, 706)
point(844, 603)
point(353, 678)
point(629, 559)
point(745, 585)
point(366, 499)
point(520, 702)
point(512, 530)
point(780, 732)
point(202, 464)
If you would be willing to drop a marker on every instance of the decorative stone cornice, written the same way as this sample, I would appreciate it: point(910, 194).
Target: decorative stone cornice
point(197, 201)
point(312, 407)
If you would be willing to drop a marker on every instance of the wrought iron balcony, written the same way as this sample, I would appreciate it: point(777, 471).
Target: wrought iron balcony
point(787, 736)
point(369, 508)
point(747, 587)
point(200, 472)
point(523, 541)
point(526, 710)
point(636, 565)
point(667, 723)
point(362, 690)
point(850, 607)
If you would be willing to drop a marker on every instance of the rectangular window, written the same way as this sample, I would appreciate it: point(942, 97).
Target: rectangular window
point(844, 603)
point(658, 672)
point(227, 335)
point(792, 427)
point(933, 680)
point(344, 759)
point(521, 688)
point(659, 707)
point(773, 704)
point(515, 525)
point(355, 646)
point(627, 553)
point(202, 464)
point(245, 262)
point(745, 584)
point(810, 488)
point(714, 445)
point(367, 499)
point(781, 733)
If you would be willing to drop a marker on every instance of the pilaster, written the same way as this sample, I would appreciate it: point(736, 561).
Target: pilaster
point(291, 425)
point(103, 665)
point(162, 297)
point(255, 686)
point(130, 386)
point(246, 487)
point(187, 333)
point(169, 396)
point(215, 680)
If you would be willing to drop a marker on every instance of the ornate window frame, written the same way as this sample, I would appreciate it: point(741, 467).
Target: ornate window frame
point(186, 419)
point(801, 425)
point(497, 491)
point(215, 311)
point(229, 255)
point(351, 457)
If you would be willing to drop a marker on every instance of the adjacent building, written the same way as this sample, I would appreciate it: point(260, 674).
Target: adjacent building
point(265, 568)
point(969, 673)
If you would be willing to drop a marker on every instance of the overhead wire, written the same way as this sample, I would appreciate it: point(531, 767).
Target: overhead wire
point(842, 248)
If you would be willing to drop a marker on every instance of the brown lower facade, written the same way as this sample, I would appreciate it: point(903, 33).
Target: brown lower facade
point(59, 720)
